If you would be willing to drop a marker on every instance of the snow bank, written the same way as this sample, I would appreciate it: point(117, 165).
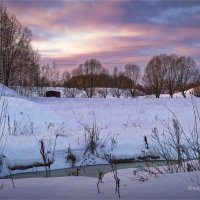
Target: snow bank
point(5, 91)
point(171, 186)
point(129, 119)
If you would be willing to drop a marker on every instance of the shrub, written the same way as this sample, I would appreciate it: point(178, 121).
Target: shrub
point(92, 134)
point(181, 151)
point(71, 157)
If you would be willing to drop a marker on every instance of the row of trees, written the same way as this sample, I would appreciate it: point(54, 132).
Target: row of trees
point(163, 74)
point(91, 74)
point(170, 73)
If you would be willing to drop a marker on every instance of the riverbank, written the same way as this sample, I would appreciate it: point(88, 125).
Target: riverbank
point(87, 171)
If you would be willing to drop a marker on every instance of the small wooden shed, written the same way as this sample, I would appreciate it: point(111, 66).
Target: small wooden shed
point(52, 93)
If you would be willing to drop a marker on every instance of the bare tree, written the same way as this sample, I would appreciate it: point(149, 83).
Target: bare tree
point(43, 80)
point(46, 72)
point(132, 71)
point(14, 42)
point(69, 84)
point(120, 83)
point(104, 84)
point(55, 74)
point(66, 76)
point(65, 82)
point(25, 79)
point(171, 76)
point(187, 73)
point(88, 75)
point(154, 75)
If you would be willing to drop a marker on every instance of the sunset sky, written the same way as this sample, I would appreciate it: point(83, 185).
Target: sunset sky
point(116, 32)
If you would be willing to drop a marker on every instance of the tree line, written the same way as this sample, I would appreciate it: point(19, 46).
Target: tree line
point(163, 74)
point(21, 68)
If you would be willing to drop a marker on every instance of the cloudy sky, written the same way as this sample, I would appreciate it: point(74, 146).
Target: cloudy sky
point(114, 31)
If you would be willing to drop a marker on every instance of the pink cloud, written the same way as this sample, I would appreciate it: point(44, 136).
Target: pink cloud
point(75, 31)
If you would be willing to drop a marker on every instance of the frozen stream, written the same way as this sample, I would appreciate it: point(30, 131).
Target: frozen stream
point(89, 171)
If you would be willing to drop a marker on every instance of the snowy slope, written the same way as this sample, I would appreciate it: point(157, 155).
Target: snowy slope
point(5, 91)
point(27, 120)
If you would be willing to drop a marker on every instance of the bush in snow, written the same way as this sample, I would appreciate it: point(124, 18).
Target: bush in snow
point(71, 157)
point(181, 151)
point(169, 146)
point(103, 92)
point(91, 137)
point(46, 159)
point(20, 128)
point(47, 155)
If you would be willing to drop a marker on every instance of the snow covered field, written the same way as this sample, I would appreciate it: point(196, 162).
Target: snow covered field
point(171, 186)
point(129, 120)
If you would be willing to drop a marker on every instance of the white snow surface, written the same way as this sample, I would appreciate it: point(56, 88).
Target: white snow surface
point(129, 119)
point(169, 186)
point(5, 91)
point(33, 119)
